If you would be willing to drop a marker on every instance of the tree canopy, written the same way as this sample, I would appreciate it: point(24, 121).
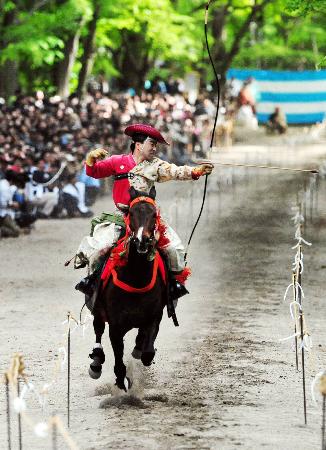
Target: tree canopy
point(56, 45)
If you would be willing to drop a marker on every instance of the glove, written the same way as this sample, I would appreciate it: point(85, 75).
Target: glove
point(203, 169)
point(93, 155)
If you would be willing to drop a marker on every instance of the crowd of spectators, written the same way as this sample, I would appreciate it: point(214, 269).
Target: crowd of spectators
point(43, 143)
point(242, 98)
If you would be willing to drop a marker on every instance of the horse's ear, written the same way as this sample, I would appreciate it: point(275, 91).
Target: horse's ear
point(152, 193)
point(133, 193)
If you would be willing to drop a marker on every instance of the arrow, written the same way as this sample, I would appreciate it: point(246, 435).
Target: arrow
point(259, 166)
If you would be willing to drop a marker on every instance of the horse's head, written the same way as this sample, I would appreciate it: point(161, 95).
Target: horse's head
point(142, 219)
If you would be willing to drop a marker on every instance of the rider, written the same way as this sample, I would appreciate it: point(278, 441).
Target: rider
point(139, 169)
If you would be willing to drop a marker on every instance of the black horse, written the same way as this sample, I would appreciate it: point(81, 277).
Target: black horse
point(126, 310)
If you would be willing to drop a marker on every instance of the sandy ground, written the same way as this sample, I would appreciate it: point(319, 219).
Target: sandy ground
point(222, 380)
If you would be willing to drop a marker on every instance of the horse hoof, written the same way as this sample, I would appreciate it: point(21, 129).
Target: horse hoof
point(95, 368)
point(147, 358)
point(136, 353)
point(97, 355)
point(128, 383)
point(124, 385)
point(95, 371)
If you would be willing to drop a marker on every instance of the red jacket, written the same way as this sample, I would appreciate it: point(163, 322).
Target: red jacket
point(113, 166)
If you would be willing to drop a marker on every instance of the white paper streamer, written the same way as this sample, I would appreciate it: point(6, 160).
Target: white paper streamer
point(41, 429)
point(313, 385)
point(63, 356)
point(291, 308)
point(290, 337)
point(19, 405)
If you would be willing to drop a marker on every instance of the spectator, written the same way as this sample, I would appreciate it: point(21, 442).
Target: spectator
point(39, 194)
point(92, 187)
point(38, 134)
point(25, 216)
point(247, 95)
point(73, 198)
point(232, 89)
point(277, 122)
point(8, 207)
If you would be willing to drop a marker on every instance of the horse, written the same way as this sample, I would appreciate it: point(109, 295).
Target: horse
point(139, 297)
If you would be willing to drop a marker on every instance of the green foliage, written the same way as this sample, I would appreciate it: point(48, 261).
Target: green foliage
point(160, 37)
point(39, 37)
point(306, 6)
point(285, 41)
point(167, 34)
point(277, 57)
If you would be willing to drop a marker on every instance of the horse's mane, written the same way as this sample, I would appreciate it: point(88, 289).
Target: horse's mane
point(134, 193)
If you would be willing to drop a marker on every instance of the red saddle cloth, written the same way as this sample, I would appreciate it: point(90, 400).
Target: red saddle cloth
point(117, 260)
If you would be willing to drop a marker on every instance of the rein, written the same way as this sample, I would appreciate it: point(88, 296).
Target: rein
point(158, 263)
point(126, 287)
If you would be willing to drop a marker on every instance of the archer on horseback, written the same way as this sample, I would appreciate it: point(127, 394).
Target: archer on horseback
point(139, 169)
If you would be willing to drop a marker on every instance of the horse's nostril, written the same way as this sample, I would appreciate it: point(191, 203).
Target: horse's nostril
point(142, 247)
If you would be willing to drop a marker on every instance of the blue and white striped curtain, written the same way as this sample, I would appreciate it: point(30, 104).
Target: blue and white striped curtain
point(300, 95)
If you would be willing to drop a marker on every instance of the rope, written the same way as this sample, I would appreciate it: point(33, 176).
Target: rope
point(41, 429)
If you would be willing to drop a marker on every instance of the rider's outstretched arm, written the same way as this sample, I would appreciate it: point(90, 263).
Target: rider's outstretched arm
point(167, 172)
point(99, 169)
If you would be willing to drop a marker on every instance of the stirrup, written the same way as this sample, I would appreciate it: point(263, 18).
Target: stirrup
point(176, 289)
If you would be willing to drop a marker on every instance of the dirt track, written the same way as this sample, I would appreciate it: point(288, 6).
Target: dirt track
point(222, 380)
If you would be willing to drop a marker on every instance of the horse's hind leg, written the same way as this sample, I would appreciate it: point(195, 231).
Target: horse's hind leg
point(97, 355)
point(116, 337)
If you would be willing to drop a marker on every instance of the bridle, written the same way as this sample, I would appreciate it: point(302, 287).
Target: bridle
point(142, 198)
point(151, 241)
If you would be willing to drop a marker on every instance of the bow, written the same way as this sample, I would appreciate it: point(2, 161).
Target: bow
point(215, 73)
point(213, 132)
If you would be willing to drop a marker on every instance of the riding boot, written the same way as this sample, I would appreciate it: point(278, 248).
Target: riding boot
point(88, 284)
point(176, 289)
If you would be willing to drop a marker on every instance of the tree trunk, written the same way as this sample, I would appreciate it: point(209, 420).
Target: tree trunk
point(87, 58)
point(225, 58)
point(132, 61)
point(8, 79)
point(9, 69)
point(219, 53)
point(64, 68)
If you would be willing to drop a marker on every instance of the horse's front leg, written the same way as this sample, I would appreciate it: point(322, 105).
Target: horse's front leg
point(149, 335)
point(116, 337)
point(138, 349)
point(97, 355)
